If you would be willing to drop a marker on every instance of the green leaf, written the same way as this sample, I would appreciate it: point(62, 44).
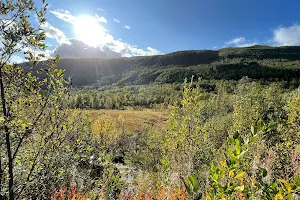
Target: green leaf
point(254, 138)
point(61, 173)
point(297, 181)
point(260, 125)
point(89, 148)
point(253, 131)
point(263, 172)
point(193, 179)
point(236, 135)
point(231, 140)
point(237, 147)
point(60, 72)
point(187, 185)
point(271, 125)
point(215, 177)
point(18, 161)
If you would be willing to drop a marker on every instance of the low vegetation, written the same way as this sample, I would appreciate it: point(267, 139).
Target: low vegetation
point(239, 141)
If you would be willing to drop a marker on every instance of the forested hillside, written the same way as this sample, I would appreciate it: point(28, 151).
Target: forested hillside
point(257, 62)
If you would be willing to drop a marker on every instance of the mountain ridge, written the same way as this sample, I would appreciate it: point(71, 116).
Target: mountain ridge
point(258, 62)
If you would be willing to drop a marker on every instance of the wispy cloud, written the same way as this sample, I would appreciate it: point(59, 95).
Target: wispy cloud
point(116, 20)
point(236, 41)
point(108, 45)
point(249, 44)
point(100, 9)
point(55, 33)
point(239, 42)
point(128, 50)
point(287, 36)
point(100, 19)
point(64, 15)
point(127, 27)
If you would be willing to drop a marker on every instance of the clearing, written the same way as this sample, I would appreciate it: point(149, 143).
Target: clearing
point(135, 120)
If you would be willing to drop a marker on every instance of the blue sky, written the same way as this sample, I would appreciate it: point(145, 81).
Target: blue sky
point(148, 27)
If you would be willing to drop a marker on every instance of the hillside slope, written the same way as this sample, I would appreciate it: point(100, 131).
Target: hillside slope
point(257, 62)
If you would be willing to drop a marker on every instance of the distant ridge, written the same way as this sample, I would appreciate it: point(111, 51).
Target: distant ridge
point(258, 62)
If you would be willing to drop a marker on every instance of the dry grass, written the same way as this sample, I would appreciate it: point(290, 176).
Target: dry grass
point(64, 194)
point(134, 121)
point(178, 193)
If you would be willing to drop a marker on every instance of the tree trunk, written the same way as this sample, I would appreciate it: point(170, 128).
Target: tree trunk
point(1, 174)
point(7, 139)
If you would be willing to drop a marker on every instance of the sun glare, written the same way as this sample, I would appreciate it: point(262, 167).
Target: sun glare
point(88, 30)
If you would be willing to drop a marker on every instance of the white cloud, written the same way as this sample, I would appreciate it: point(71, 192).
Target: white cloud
point(78, 49)
point(114, 49)
point(64, 15)
point(55, 33)
point(239, 42)
point(104, 44)
point(100, 9)
point(236, 41)
point(128, 50)
point(127, 27)
point(287, 36)
point(16, 59)
point(116, 20)
point(100, 19)
point(152, 51)
point(67, 17)
point(247, 44)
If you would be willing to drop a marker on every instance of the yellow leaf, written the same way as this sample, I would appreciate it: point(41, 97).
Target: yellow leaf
point(287, 185)
point(282, 181)
point(279, 195)
point(223, 163)
point(240, 176)
point(231, 173)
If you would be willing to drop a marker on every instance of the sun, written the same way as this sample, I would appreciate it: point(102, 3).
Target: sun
point(88, 30)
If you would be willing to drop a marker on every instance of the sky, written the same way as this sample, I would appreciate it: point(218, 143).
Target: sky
point(124, 28)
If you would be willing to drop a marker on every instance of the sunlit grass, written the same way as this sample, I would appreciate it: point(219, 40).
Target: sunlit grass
point(134, 121)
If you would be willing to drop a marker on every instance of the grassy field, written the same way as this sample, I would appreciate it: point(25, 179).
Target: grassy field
point(135, 120)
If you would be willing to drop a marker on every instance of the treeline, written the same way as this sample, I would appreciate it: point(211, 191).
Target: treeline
point(267, 70)
point(153, 95)
point(262, 52)
point(135, 97)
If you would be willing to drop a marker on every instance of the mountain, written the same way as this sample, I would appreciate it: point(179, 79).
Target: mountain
point(256, 62)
